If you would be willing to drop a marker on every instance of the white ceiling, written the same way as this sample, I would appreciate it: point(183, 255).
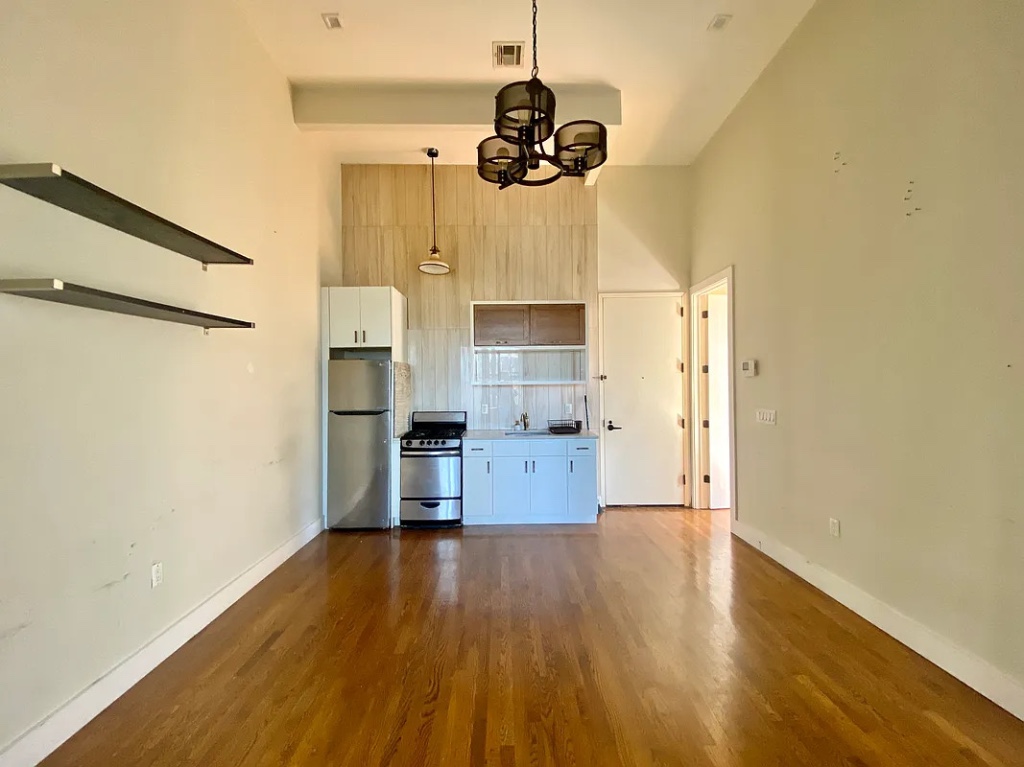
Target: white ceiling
point(678, 81)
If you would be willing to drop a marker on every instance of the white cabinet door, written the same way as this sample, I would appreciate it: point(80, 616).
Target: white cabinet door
point(511, 486)
point(549, 486)
point(375, 317)
point(477, 487)
point(583, 485)
point(344, 318)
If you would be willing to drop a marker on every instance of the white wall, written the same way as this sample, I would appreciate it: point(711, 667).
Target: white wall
point(643, 220)
point(125, 441)
point(718, 399)
point(891, 345)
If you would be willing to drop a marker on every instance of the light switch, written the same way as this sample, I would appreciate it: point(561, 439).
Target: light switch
point(749, 368)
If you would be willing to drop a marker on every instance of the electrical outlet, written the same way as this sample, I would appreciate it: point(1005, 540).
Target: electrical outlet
point(568, 408)
point(833, 528)
point(484, 409)
point(766, 416)
point(156, 574)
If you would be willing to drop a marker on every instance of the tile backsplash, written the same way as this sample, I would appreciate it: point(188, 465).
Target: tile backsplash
point(513, 245)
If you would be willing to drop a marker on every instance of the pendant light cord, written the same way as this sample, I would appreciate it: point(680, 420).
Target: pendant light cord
point(433, 203)
point(536, 69)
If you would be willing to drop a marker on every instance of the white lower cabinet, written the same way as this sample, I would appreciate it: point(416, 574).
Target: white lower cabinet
point(477, 486)
point(511, 486)
point(582, 485)
point(549, 486)
point(521, 480)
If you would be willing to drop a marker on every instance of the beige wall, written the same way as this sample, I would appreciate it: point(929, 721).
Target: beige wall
point(508, 245)
point(890, 344)
point(643, 217)
point(126, 441)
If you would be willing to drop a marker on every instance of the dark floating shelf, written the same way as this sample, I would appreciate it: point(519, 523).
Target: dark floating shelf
point(55, 185)
point(62, 292)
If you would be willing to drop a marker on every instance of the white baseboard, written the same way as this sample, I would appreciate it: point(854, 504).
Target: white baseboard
point(975, 672)
point(43, 739)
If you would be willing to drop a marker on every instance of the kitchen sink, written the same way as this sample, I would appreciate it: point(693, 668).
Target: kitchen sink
point(528, 433)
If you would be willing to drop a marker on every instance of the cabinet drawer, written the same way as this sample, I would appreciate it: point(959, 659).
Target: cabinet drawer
point(474, 449)
point(548, 446)
point(513, 446)
point(582, 447)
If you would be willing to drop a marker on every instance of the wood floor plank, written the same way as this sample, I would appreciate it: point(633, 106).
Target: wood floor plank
point(652, 639)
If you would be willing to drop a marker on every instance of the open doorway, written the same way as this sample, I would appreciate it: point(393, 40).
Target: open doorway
point(713, 394)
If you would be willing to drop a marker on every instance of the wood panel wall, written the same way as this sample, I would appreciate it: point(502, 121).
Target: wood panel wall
point(510, 245)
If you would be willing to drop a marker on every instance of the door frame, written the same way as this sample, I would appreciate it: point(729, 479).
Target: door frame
point(681, 295)
point(724, 277)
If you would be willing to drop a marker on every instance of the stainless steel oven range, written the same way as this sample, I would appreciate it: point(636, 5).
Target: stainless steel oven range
point(431, 472)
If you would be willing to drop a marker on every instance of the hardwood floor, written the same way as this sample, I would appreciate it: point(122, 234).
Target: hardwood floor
point(653, 638)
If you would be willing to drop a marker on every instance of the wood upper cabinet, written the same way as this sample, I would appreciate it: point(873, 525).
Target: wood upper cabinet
point(501, 324)
point(558, 325)
point(529, 325)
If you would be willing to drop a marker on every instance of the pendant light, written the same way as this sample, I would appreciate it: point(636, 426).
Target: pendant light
point(434, 264)
point(524, 118)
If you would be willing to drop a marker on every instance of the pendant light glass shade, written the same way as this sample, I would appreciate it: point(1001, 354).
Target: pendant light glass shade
point(581, 146)
point(524, 112)
point(433, 264)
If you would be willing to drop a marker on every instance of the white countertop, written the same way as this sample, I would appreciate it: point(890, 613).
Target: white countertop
point(489, 435)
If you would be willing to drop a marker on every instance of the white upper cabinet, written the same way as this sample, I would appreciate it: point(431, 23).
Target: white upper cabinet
point(373, 318)
point(344, 318)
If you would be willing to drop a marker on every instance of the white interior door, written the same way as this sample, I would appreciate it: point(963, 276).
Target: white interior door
point(718, 400)
point(644, 399)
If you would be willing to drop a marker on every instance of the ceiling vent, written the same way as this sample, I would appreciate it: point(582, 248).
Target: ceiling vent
point(507, 55)
point(331, 20)
point(719, 22)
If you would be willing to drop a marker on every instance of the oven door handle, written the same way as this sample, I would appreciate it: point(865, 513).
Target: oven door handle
point(432, 454)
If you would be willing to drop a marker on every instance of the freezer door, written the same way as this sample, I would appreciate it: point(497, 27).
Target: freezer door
point(358, 385)
point(358, 467)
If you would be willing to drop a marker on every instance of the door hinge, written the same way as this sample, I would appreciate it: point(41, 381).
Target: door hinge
point(684, 479)
point(682, 423)
point(704, 314)
point(682, 311)
point(682, 367)
point(706, 424)
point(704, 369)
point(707, 478)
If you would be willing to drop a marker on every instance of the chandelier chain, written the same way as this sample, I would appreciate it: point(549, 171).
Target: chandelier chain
point(536, 69)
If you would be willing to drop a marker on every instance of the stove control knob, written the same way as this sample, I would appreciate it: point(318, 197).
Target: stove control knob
point(422, 443)
point(433, 442)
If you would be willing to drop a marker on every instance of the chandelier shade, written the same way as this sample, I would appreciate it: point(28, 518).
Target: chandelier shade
point(581, 146)
point(499, 162)
point(524, 112)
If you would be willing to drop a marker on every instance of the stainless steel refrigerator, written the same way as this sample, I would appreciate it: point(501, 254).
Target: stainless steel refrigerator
point(359, 426)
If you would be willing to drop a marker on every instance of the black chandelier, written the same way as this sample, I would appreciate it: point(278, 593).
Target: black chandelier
point(524, 119)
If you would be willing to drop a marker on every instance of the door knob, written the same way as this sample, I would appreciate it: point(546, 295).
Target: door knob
point(613, 427)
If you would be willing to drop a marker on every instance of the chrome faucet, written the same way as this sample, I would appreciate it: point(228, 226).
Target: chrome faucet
point(526, 421)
